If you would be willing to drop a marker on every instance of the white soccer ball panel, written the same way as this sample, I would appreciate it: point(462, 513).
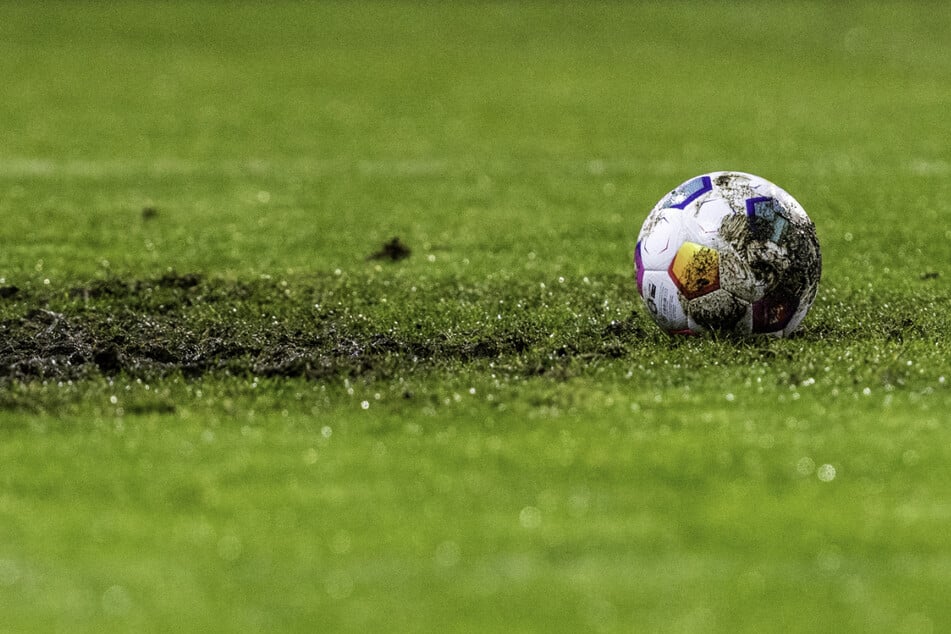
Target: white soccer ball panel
point(702, 222)
point(663, 300)
point(659, 244)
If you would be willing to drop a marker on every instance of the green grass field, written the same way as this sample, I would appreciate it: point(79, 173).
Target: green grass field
point(217, 413)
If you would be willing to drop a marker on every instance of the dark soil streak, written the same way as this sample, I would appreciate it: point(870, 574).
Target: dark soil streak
point(185, 325)
point(46, 345)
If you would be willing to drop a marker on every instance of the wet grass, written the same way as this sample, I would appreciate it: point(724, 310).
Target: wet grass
point(322, 318)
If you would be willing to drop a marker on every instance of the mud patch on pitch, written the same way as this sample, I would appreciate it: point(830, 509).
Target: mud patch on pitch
point(185, 324)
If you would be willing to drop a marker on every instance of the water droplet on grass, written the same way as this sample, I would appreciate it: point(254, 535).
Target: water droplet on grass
point(826, 473)
point(805, 466)
point(530, 517)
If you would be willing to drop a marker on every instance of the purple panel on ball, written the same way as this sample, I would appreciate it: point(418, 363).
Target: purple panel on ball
point(687, 193)
point(639, 268)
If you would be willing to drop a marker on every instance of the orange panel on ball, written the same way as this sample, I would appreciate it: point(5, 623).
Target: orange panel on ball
point(695, 269)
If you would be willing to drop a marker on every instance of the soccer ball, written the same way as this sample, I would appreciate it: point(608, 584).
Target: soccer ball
point(728, 252)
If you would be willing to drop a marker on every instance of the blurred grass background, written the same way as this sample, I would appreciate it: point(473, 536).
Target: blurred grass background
point(298, 137)
point(686, 486)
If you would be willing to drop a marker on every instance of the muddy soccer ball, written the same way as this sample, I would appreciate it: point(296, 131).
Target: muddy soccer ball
point(728, 252)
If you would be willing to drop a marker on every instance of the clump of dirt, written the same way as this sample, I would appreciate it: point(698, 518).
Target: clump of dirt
point(394, 250)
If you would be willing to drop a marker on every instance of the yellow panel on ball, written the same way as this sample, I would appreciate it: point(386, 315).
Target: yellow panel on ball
point(695, 269)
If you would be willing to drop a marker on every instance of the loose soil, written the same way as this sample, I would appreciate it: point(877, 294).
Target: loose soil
point(190, 325)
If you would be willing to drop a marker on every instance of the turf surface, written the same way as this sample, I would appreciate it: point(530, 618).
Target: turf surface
point(220, 412)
